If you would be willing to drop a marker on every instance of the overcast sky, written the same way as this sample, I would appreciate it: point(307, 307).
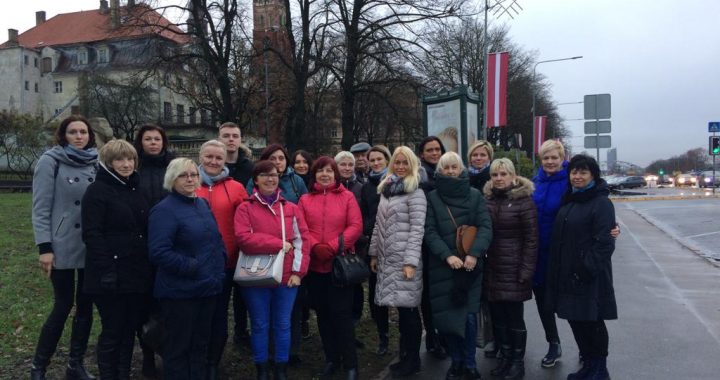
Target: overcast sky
point(659, 59)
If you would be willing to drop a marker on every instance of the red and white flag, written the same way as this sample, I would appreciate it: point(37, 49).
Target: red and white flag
point(497, 64)
point(540, 126)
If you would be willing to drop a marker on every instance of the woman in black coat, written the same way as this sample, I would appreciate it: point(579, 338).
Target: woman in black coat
point(579, 279)
point(117, 269)
point(151, 144)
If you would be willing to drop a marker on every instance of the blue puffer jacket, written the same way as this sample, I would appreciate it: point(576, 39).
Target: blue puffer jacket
point(547, 196)
point(292, 186)
point(186, 247)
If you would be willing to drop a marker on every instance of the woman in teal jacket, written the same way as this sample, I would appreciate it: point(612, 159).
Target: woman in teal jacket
point(456, 281)
point(292, 186)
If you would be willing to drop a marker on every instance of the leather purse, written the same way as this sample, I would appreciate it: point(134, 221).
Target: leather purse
point(348, 268)
point(262, 270)
point(464, 236)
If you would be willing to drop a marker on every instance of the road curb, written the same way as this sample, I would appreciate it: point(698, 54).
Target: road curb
point(661, 198)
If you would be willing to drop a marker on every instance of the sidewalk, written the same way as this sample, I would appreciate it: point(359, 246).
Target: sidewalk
point(669, 315)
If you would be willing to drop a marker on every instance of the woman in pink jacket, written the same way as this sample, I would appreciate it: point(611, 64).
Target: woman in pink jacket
point(258, 231)
point(330, 210)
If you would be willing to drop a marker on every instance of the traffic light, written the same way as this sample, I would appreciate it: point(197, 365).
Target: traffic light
point(714, 145)
point(662, 172)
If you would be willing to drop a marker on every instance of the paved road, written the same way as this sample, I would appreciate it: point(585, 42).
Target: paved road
point(668, 300)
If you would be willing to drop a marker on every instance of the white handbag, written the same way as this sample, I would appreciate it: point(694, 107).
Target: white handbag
point(262, 270)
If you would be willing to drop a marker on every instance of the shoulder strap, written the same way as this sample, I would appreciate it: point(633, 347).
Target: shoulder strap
point(292, 183)
point(451, 216)
point(282, 221)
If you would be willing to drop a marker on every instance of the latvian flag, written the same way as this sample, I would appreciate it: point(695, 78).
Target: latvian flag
point(540, 126)
point(497, 89)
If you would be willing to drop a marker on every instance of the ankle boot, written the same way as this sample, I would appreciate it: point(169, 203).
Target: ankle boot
point(328, 370)
point(37, 373)
point(598, 370)
point(76, 371)
point(78, 345)
point(517, 363)
point(407, 367)
point(352, 374)
point(583, 372)
point(262, 371)
point(502, 341)
point(382, 345)
point(148, 363)
point(553, 355)
point(280, 371)
point(211, 372)
point(455, 372)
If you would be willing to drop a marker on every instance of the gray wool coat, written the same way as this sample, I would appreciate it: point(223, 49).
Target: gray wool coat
point(59, 184)
point(397, 241)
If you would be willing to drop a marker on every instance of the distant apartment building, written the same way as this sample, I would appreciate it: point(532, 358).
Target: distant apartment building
point(41, 69)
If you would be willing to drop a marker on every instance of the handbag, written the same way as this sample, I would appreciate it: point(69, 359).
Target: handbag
point(262, 270)
point(464, 236)
point(348, 268)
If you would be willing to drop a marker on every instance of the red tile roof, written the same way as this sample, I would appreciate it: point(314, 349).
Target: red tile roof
point(91, 26)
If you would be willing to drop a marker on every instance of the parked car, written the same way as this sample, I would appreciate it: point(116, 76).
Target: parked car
point(707, 179)
point(629, 182)
point(686, 180)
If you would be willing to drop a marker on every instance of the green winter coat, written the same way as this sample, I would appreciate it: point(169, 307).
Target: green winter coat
point(450, 306)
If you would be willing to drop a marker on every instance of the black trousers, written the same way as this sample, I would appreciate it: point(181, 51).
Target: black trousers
point(187, 333)
point(379, 314)
point(547, 316)
point(508, 315)
point(333, 306)
point(425, 306)
point(219, 329)
point(300, 314)
point(410, 331)
point(67, 291)
point(240, 312)
point(119, 314)
point(591, 338)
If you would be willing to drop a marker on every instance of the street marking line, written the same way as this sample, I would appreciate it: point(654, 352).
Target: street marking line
point(701, 235)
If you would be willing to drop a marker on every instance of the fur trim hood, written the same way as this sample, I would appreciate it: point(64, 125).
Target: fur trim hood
point(523, 188)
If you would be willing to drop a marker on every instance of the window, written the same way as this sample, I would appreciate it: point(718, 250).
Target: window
point(46, 65)
point(204, 120)
point(333, 132)
point(102, 55)
point(26, 60)
point(179, 82)
point(82, 57)
point(193, 119)
point(167, 111)
point(35, 61)
point(27, 86)
point(58, 87)
point(180, 113)
point(36, 87)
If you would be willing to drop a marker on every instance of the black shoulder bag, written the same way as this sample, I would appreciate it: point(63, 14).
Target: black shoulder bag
point(348, 268)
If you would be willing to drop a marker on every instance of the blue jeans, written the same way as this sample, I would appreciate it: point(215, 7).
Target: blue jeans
point(463, 350)
point(265, 305)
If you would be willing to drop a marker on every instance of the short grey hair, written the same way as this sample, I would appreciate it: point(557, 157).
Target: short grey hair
point(344, 154)
point(450, 158)
point(175, 168)
point(503, 163)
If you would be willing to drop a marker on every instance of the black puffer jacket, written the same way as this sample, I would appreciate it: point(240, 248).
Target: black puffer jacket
point(369, 201)
point(151, 173)
point(241, 170)
point(114, 223)
point(579, 279)
point(512, 254)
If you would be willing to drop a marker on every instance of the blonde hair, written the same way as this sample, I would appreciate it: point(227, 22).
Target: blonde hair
point(550, 145)
point(450, 158)
point(344, 154)
point(177, 167)
point(503, 163)
point(481, 144)
point(213, 143)
point(412, 180)
point(116, 150)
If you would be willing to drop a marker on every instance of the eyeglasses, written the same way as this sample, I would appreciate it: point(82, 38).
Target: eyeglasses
point(185, 176)
point(268, 175)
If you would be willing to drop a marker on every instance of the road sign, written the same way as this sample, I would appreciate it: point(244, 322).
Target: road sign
point(594, 127)
point(597, 106)
point(714, 126)
point(594, 142)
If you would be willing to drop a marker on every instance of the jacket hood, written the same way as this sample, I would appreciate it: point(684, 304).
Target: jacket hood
point(58, 153)
point(524, 188)
point(453, 190)
point(599, 190)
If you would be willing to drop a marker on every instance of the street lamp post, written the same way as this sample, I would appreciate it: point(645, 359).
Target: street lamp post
point(534, 91)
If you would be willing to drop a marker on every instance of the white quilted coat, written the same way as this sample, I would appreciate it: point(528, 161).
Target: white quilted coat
point(397, 241)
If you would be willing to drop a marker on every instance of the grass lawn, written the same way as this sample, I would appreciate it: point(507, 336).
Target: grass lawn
point(26, 299)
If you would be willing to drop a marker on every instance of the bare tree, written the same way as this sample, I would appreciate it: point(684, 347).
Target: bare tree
point(22, 141)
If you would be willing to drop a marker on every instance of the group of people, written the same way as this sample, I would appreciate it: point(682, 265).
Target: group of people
point(149, 238)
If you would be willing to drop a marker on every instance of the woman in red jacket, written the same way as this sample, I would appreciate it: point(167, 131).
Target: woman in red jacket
point(224, 195)
point(258, 231)
point(330, 210)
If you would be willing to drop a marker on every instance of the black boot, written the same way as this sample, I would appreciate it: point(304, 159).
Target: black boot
point(583, 372)
point(328, 370)
point(37, 373)
point(211, 372)
point(78, 345)
point(598, 370)
point(434, 346)
point(76, 371)
point(148, 364)
point(472, 374)
point(502, 341)
point(280, 371)
point(553, 355)
point(382, 345)
point(455, 372)
point(352, 374)
point(262, 371)
point(407, 367)
point(517, 363)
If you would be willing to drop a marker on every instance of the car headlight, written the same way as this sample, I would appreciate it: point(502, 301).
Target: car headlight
point(693, 179)
point(681, 180)
point(707, 180)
